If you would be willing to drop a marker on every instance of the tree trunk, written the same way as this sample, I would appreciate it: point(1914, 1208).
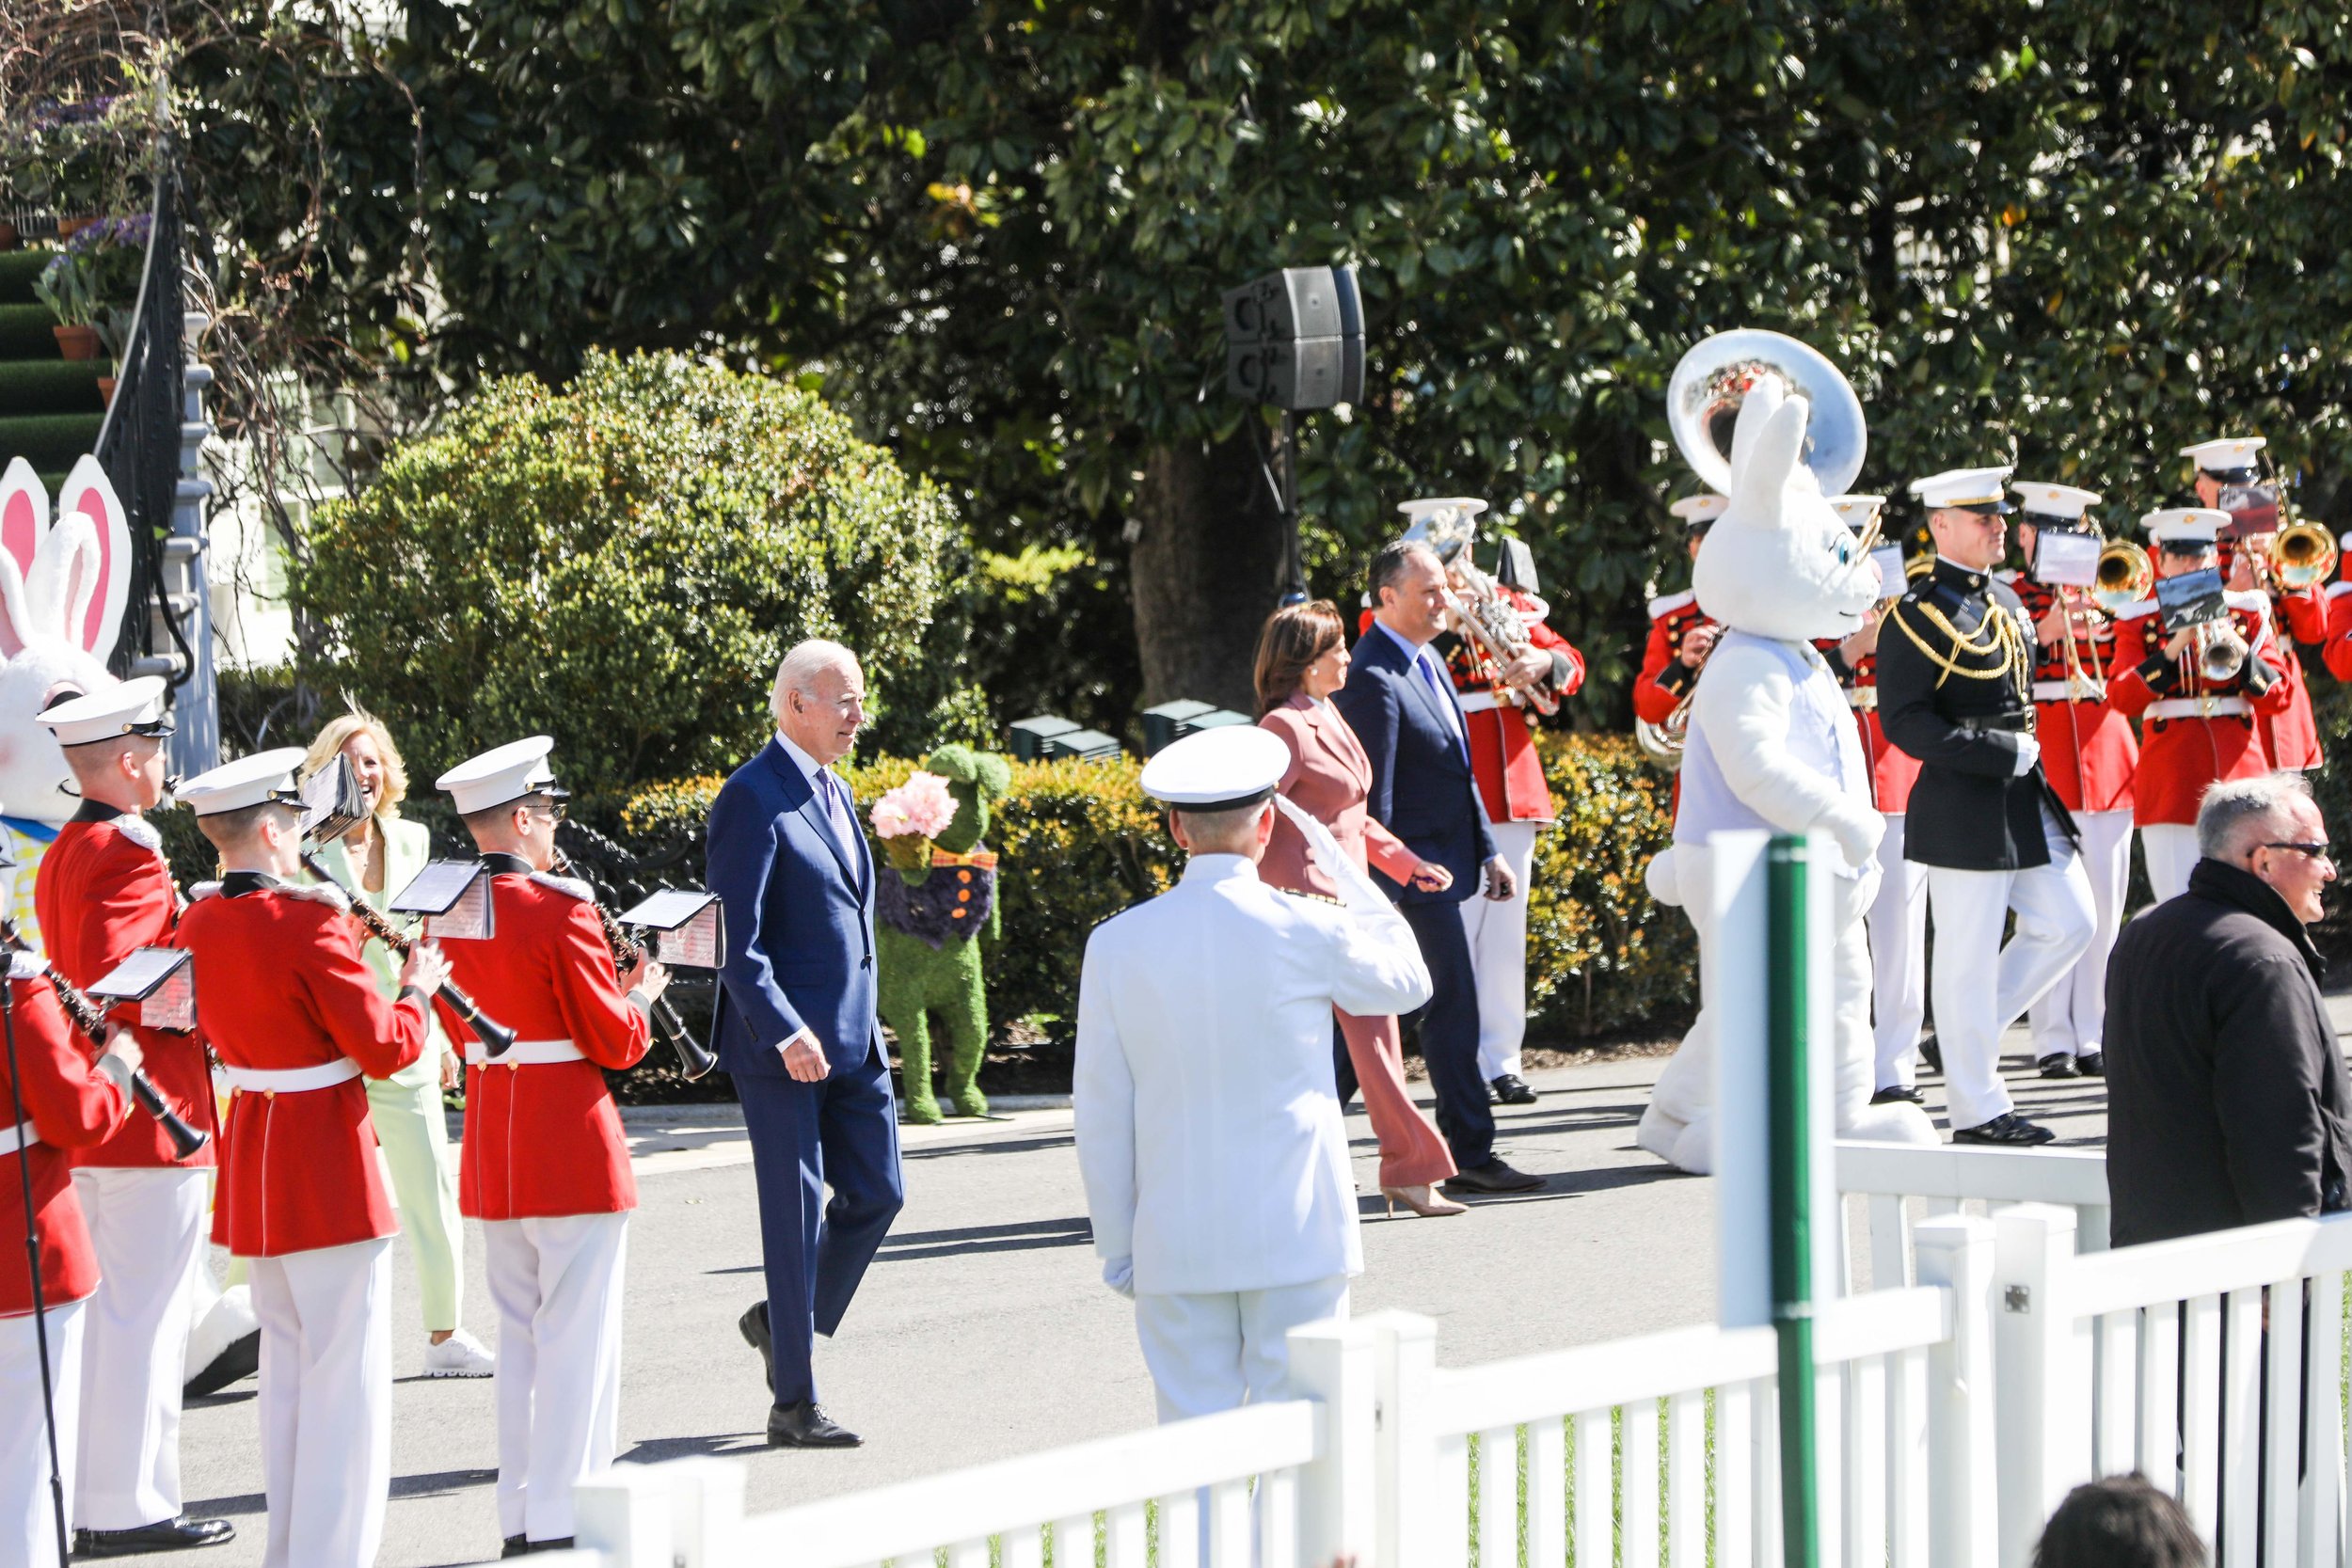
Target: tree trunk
point(1206, 569)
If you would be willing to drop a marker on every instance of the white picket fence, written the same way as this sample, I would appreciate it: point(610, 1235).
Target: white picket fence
point(2214, 1365)
point(1946, 1179)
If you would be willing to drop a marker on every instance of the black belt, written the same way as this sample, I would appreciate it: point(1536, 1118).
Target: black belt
point(2014, 724)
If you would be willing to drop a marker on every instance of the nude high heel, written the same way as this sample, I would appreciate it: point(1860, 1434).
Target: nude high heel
point(1423, 1200)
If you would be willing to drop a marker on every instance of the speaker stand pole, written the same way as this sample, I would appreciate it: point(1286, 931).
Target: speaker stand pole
point(1293, 568)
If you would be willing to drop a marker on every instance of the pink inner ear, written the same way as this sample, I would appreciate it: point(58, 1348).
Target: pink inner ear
point(94, 507)
point(20, 529)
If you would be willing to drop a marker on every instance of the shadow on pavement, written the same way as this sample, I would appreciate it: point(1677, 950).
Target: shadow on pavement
point(653, 1450)
point(1025, 1237)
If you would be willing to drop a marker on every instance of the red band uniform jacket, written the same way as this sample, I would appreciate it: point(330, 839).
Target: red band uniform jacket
point(544, 1138)
point(2182, 753)
point(1501, 733)
point(2088, 749)
point(1893, 771)
point(280, 985)
point(2335, 649)
point(102, 893)
point(2289, 737)
point(70, 1106)
point(1664, 679)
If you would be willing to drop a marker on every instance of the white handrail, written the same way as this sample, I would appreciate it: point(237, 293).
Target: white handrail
point(2076, 1177)
point(917, 1516)
point(2207, 1265)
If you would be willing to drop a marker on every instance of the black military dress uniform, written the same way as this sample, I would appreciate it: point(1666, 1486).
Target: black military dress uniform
point(1956, 691)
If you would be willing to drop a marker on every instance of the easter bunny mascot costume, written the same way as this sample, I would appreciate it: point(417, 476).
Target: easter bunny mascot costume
point(1772, 745)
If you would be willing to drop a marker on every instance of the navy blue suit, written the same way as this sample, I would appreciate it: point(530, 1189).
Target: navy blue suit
point(800, 928)
point(1423, 791)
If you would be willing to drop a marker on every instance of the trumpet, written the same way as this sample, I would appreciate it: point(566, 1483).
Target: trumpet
point(2220, 651)
point(2125, 577)
point(2302, 555)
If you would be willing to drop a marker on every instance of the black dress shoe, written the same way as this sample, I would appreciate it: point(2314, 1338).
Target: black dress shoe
point(513, 1545)
point(1509, 1088)
point(1897, 1094)
point(559, 1543)
point(753, 1324)
point(2009, 1130)
point(164, 1535)
point(2093, 1066)
point(241, 1360)
point(1932, 1054)
point(802, 1425)
point(1492, 1177)
point(2057, 1064)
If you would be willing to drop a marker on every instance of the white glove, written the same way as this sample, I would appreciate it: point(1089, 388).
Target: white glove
point(1857, 835)
point(2028, 752)
point(1355, 890)
point(1119, 1274)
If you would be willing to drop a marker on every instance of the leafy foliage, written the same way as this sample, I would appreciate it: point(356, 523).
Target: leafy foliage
point(621, 564)
point(996, 230)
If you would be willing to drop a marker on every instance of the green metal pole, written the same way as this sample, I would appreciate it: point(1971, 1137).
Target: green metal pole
point(1789, 1029)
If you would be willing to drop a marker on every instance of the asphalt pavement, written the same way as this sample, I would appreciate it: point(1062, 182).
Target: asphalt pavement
point(982, 1330)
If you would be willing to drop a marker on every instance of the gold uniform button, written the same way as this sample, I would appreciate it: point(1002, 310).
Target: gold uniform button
point(964, 876)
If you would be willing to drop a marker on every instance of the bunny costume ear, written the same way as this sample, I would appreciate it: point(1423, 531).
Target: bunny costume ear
point(23, 511)
point(1768, 464)
point(1762, 401)
point(92, 583)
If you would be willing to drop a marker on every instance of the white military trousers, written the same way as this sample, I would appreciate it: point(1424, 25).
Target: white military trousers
point(556, 1282)
point(2171, 852)
point(1981, 987)
point(325, 1402)
point(2072, 1015)
point(1898, 922)
point(147, 1226)
point(1498, 947)
point(28, 1520)
point(1217, 1351)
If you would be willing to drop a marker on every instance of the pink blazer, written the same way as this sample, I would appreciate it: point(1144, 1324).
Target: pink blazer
point(1329, 778)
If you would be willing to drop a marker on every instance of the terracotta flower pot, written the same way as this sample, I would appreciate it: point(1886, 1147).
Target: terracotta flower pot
point(10, 239)
point(76, 342)
point(67, 228)
point(106, 390)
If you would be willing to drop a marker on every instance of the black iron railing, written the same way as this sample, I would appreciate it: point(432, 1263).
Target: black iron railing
point(139, 443)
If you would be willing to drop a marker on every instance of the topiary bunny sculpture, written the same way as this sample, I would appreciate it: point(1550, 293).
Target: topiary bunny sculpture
point(1772, 745)
point(934, 899)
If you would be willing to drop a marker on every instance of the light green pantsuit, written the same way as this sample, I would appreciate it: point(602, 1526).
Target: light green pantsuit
point(407, 1107)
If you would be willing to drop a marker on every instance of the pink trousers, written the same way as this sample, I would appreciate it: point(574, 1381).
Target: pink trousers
point(1412, 1153)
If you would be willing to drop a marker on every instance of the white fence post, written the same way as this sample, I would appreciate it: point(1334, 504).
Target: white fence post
point(1404, 1358)
point(1956, 1253)
point(624, 1512)
point(1331, 1362)
point(705, 1510)
point(2043, 1394)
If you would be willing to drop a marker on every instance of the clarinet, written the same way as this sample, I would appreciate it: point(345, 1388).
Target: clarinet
point(694, 1058)
point(89, 1017)
point(495, 1037)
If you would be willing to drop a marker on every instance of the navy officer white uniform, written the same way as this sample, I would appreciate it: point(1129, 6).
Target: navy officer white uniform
point(1208, 1128)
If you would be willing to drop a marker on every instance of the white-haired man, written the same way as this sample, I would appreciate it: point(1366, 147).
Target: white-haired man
point(2227, 1096)
point(796, 1026)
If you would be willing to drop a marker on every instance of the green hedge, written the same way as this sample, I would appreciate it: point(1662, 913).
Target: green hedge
point(1080, 843)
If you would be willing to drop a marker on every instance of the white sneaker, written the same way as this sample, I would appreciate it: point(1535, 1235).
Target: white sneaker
point(459, 1355)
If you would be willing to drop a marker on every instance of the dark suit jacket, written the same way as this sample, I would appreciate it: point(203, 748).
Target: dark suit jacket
point(2226, 1090)
point(800, 920)
point(1422, 789)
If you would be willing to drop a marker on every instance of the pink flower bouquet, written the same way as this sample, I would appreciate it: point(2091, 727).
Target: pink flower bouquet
point(907, 819)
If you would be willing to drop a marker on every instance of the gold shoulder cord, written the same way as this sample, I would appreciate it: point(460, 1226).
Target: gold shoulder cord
point(2000, 636)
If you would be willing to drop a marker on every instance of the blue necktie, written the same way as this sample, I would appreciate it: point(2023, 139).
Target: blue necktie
point(1445, 693)
point(838, 814)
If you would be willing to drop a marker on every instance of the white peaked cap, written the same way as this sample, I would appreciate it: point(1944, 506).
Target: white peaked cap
point(1703, 508)
point(2185, 525)
point(129, 707)
point(2225, 454)
point(1855, 512)
point(1417, 510)
point(1962, 487)
point(500, 774)
point(2055, 501)
point(1219, 769)
point(246, 782)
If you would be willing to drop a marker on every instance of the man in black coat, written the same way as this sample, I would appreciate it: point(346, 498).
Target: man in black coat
point(2226, 1090)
